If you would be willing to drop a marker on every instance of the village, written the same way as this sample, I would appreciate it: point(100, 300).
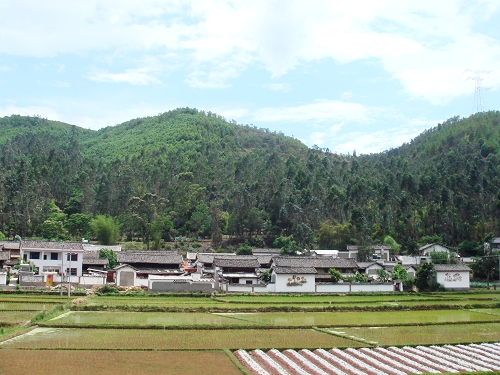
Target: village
point(49, 264)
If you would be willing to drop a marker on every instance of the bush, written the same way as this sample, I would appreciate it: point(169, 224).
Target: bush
point(106, 289)
point(196, 245)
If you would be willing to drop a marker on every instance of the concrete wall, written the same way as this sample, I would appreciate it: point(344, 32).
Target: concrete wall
point(3, 278)
point(92, 280)
point(318, 288)
point(285, 283)
point(456, 280)
point(169, 286)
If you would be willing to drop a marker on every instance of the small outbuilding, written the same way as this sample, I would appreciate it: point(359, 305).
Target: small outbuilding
point(453, 276)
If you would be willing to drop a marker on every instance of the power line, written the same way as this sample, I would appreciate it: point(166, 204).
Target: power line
point(478, 96)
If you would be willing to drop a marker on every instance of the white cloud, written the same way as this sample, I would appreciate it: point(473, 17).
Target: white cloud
point(320, 110)
point(43, 111)
point(4, 68)
point(285, 87)
point(139, 76)
point(376, 141)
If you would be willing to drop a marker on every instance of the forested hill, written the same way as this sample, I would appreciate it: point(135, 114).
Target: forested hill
point(220, 177)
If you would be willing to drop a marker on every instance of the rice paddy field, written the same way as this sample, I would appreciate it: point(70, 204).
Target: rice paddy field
point(250, 334)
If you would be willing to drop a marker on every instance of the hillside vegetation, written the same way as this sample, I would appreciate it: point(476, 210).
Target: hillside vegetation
point(195, 174)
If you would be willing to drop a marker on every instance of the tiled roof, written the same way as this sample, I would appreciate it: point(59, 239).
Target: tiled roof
point(4, 255)
point(159, 271)
point(238, 261)
point(92, 258)
point(316, 262)
point(191, 256)
point(51, 245)
point(270, 251)
point(10, 245)
point(427, 246)
point(149, 256)
point(264, 259)
point(96, 248)
point(209, 257)
point(370, 247)
point(451, 267)
point(292, 270)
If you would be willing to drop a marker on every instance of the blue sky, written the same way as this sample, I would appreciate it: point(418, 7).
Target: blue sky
point(344, 75)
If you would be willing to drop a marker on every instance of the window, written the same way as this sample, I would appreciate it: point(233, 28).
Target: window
point(73, 271)
point(249, 281)
point(34, 255)
point(54, 256)
point(74, 257)
point(51, 269)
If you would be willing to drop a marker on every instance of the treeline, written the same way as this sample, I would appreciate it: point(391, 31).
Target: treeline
point(191, 173)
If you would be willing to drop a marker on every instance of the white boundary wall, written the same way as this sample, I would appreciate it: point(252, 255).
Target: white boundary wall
point(319, 288)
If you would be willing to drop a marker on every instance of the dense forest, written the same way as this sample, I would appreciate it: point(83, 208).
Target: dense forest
point(194, 174)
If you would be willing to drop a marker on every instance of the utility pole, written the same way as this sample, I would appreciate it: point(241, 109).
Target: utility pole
point(62, 272)
point(69, 276)
point(478, 96)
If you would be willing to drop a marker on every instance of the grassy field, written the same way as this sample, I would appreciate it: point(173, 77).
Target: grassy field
point(424, 335)
point(186, 339)
point(84, 362)
point(278, 319)
point(175, 329)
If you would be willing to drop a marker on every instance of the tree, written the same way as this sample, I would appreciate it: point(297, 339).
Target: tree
point(78, 225)
point(383, 275)
point(399, 273)
point(287, 245)
point(265, 276)
point(426, 275)
point(364, 254)
point(395, 247)
point(358, 277)
point(244, 249)
point(53, 226)
point(335, 275)
point(440, 257)
point(110, 255)
point(106, 229)
point(52, 230)
point(145, 210)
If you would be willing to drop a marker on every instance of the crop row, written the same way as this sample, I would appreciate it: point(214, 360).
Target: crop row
point(374, 361)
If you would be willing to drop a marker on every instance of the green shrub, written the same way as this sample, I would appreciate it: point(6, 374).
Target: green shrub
point(106, 289)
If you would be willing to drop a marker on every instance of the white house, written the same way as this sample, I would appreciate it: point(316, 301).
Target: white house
point(325, 253)
point(294, 279)
point(377, 252)
point(432, 247)
point(453, 276)
point(53, 257)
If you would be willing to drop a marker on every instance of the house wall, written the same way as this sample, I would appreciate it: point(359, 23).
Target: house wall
point(353, 287)
point(171, 286)
point(241, 288)
point(61, 262)
point(282, 283)
point(92, 280)
point(318, 288)
point(437, 248)
point(126, 276)
point(456, 280)
point(3, 278)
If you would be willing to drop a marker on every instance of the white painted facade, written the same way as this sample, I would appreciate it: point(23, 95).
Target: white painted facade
point(454, 277)
point(296, 283)
point(55, 260)
point(428, 249)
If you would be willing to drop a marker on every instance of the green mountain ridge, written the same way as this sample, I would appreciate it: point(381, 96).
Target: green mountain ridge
point(443, 184)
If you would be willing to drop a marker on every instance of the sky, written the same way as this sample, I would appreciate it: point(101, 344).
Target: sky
point(357, 75)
